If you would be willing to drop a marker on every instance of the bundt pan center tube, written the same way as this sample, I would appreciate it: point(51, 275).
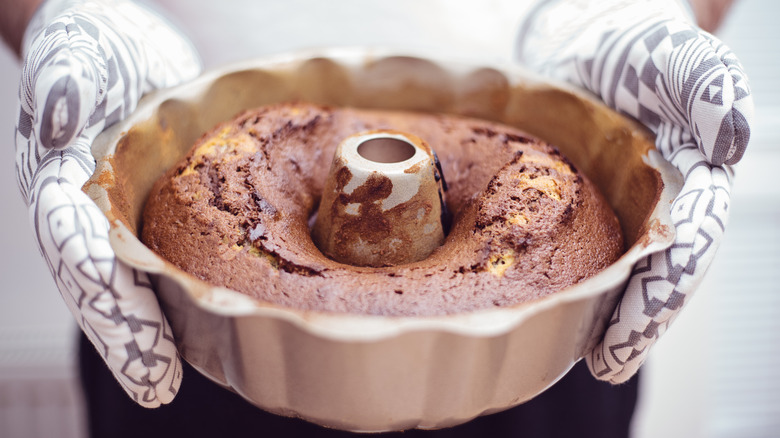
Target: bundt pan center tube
point(383, 203)
point(381, 373)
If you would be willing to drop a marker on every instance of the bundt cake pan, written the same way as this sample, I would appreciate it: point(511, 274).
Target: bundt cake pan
point(374, 373)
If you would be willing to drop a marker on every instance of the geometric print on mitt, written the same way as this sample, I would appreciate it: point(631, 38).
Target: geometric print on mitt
point(645, 59)
point(661, 284)
point(86, 65)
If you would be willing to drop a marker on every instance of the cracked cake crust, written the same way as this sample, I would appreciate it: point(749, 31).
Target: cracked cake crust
point(236, 212)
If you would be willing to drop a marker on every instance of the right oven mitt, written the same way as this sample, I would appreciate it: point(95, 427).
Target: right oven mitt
point(648, 60)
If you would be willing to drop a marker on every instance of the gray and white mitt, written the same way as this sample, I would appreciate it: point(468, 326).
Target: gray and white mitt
point(648, 60)
point(86, 65)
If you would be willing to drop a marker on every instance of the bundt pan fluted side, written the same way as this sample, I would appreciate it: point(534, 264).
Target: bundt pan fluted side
point(374, 373)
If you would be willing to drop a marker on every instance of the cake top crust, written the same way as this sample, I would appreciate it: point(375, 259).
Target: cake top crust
point(237, 212)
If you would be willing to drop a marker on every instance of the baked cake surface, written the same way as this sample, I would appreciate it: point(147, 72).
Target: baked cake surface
point(236, 212)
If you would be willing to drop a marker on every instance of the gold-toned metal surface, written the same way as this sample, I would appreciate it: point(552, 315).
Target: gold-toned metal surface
point(372, 373)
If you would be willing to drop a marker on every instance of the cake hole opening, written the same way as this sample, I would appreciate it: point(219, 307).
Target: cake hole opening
point(386, 150)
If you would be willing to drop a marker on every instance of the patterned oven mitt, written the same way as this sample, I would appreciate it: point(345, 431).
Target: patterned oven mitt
point(86, 65)
point(646, 59)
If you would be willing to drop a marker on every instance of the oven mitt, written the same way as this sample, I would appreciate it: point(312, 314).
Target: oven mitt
point(86, 65)
point(646, 59)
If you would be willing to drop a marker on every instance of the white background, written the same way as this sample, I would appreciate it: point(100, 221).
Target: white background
point(716, 372)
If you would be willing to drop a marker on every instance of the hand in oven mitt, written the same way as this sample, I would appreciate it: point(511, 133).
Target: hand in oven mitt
point(86, 65)
point(646, 59)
